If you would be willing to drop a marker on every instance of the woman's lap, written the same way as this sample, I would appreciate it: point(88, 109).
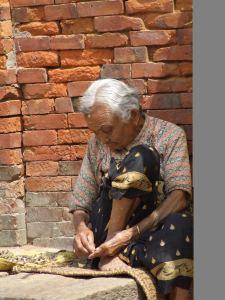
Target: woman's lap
point(167, 251)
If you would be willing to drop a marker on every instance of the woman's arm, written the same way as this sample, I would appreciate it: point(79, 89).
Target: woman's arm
point(175, 202)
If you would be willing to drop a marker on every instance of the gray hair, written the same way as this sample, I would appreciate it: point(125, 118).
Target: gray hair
point(121, 98)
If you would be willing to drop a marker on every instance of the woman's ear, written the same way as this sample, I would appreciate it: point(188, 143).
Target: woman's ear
point(135, 116)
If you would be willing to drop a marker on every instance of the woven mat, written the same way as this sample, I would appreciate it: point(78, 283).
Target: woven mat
point(143, 279)
point(65, 263)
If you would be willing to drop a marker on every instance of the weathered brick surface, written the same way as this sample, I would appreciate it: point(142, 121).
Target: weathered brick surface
point(10, 140)
point(100, 8)
point(152, 37)
point(83, 25)
point(39, 28)
point(77, 88)
point(130, 55)
point(32, 75)
point(63, 105)
point(50, 52)
point(60, 12)
point(39, 138)
point(44, 90)
point(51, 121)
point(118, 23)
point(41, 184)
point(118, 71)
point(105, 40)
point(38, 106)
point(87, 57)
point(135, 6)
point(42, 168)
point(75, 74)
point(10, 108)
point(37, 59)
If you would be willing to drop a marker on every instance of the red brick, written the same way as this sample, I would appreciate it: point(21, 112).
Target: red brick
point(2, 62)
point(10, 108)
point(173, 53)
point(154, 70)
point(77, 88)
point(100, 8)
point(51, 121)
point(185, 68)
point(42, 168)
point(10, 140)
point(170, 85)
point(12, 124)
point(31, 75)
point(184, 36)
point(78, 58)
point(116, 71)
point(55, 153)
point(85, 25)
point(188, 131)
point(6, 45)
point(81, 73)
point(40, 184)
point(167, 101)
point(77, 152)
point(10, 157)
point(7, 76)
point(171, 20)
point(105, 40)
point(183, 5)
point(40, 106)
point(6, 28)
point(130, 54)
point(9, 92)
point(60, 12)
point(44, 90)
point(77, 120)
point(61, 42)
point(39, 138)
point(177, 116)
point(26, 14)
point(186, 99)
point(39, 28)
point(135, 6)
point(73, 136)
point(63, 105)
point(138, 84)
point(19, 3)
point(152, 37)
point(37, 59)
point(117, 23)
point(4, 12)
point(26, 44)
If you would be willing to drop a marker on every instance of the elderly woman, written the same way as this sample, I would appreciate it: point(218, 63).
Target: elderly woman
point(131, 200)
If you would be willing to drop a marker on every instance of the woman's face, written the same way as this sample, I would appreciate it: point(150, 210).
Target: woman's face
point(109, 128)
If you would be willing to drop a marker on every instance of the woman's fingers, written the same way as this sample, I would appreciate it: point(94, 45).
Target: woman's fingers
point(90, 238)
point(79, 248)
point(85, 242)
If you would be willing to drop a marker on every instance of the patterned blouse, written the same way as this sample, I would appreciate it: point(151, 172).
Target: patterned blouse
point(169, 140)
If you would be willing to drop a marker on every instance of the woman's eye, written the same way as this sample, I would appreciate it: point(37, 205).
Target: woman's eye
point(106, 129)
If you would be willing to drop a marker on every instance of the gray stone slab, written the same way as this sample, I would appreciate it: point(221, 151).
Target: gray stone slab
point(54, 287)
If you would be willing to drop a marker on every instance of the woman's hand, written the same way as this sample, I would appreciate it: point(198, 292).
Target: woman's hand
point(84, 242)
point(113, 244)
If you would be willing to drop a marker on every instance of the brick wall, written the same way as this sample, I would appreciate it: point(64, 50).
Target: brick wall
point(51, 50)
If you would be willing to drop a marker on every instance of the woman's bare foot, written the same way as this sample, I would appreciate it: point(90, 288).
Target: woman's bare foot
point(109, 263)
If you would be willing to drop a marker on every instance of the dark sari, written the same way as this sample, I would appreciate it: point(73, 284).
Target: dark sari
point(166, 251)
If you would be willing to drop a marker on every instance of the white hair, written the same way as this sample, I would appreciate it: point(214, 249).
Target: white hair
point(121, 98)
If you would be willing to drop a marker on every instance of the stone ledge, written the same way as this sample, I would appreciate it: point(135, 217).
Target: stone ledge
point(30, 286)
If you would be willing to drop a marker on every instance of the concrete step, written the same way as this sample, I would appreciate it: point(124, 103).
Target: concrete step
point(27, 286)
point(33, 286)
